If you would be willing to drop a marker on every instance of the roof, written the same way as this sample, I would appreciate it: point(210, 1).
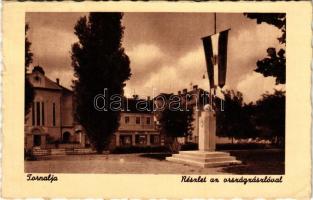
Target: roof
point(49, 84)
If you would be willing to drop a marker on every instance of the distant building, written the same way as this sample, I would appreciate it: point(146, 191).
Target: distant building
point(195, 99)
point(50, 119)
point(137, 126)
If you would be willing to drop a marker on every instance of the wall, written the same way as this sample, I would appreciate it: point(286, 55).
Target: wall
point(132, 126)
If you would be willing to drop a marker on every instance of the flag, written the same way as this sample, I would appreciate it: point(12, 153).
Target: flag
point(215, 50)
point(208, 51)
point(222, 58)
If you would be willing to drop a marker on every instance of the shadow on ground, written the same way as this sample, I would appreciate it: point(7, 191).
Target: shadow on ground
point(266, 161)
point(157, 156)
point(260, 161)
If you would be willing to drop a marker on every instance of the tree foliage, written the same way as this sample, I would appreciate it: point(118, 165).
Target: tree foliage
point(234, 121)
point(263, 119)
point(275, 63)
point(99, 63)
point(29, 90)
point(276, 19)
point(176, 123)
point(270, 116)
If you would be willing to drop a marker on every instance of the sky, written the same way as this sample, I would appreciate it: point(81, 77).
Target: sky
point(165, 50)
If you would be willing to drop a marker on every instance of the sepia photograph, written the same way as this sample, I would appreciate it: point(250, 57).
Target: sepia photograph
point(155, 93)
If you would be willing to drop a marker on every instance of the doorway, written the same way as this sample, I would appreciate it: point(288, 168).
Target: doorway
point(66, 137)
point(37, 140)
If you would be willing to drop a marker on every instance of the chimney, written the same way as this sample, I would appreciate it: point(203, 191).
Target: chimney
point(148, 98)
point(58, 81)
point(135, 96)
point(179, 92)
point(195, 87)
point(185, 91)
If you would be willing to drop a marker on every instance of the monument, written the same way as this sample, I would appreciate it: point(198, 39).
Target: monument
point(206, 156)
point(216, 60)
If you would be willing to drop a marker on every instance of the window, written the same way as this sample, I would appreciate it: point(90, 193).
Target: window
point(137, 120)
point(126, 120)
point(141, 139)
point(33, 114)
point(53, 114)
point(126, 140)
point(148, 120)
point(42, 113)
point(155, 139)
point(38, 113)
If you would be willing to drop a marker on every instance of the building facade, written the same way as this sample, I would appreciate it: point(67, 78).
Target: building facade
point(137, 126)
point(50, 119)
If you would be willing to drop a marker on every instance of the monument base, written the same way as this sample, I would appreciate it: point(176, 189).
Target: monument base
point(204, 158)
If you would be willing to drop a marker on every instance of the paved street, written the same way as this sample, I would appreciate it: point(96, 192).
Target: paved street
point(258, 161)
point(113, 163)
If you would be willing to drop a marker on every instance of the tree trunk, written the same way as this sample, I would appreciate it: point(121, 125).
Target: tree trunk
point(173, 144)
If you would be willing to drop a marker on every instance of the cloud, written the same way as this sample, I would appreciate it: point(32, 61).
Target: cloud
point(165, 49)
point(59, 45)
point(253, 85)
point(247, 44)
point(65, 77)
point(145, 58)
point(186, 71)
point(144, 54)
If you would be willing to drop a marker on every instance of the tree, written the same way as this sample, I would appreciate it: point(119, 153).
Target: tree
point(175, 123)
point(235, 120)
point(270, 116)
point(100, 63)
point(29, 90)
point(275, 64)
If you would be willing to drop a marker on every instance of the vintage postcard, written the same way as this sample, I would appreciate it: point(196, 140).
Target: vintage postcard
point(157, 100)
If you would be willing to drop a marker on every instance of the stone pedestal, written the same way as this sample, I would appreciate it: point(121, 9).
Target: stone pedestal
point(206, 156)
point(207, 131)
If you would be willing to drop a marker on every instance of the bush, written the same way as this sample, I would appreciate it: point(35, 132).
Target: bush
point(134, 149)
point(189, 147)
point(28, 155)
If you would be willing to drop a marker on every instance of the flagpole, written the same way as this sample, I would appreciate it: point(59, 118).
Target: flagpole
point(207, 42)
